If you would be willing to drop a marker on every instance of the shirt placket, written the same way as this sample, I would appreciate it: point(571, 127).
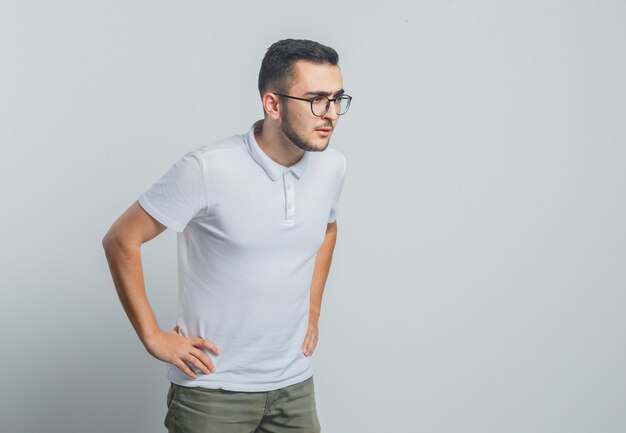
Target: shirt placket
point(290, 202)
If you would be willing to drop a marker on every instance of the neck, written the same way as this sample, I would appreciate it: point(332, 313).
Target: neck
point(276, 145)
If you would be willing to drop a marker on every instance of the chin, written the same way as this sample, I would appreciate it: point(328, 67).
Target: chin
point(321, 146)
point(323, 143)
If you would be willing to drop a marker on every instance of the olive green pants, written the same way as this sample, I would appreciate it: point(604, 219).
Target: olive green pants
point(201, 410)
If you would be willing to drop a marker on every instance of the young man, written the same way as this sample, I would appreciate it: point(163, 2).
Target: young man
point(256, 221)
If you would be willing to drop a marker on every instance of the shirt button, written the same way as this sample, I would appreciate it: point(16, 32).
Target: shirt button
point(288, 186)
point(289, 207)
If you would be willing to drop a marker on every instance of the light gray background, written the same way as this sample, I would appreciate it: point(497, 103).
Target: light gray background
point(479, 277)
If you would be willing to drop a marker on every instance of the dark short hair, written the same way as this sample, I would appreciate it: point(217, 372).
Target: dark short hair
point(279, 61)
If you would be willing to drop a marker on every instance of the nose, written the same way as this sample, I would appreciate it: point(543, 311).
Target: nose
point(331, 113)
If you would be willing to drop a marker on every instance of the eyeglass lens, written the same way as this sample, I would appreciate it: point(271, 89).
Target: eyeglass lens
point(321, 106)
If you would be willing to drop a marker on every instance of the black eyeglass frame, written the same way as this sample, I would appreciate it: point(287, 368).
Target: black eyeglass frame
point(328, 101)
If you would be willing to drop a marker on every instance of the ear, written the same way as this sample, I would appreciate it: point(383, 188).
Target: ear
point(271, 105)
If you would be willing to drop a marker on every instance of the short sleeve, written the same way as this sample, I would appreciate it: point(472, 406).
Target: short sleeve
point(335, 207)
point(178, 195)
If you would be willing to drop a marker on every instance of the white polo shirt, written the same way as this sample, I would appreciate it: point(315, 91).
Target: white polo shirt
point(248, 233)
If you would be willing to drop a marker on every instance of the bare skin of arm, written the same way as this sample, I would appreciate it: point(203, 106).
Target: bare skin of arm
point(122, 245)
point(320, 275)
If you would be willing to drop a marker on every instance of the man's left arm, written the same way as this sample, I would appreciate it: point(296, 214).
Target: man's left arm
point(320, 274)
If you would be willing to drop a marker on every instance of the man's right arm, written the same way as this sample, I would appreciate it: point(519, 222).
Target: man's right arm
point(122, 245)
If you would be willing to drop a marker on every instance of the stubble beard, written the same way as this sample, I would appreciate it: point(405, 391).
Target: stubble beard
point(287, 128)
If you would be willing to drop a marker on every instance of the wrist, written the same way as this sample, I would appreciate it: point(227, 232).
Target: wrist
point(148, 337)
point(314, 314)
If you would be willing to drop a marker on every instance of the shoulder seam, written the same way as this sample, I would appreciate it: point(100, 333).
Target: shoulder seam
point(202, 178)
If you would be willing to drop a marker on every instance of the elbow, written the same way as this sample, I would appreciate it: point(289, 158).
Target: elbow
point(117, 241)
point(108, 241)
point(112, 241)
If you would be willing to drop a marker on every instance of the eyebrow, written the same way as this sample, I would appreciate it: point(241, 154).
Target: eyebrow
point(322, 93)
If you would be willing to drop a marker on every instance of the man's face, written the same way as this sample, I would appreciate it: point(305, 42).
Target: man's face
point(298, 123)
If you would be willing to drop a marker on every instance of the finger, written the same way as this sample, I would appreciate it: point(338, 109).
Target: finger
point(185, 369)
point(312, 344)
point(196, 363)
point(207, 366)
point(305, 345)
point(202, 343)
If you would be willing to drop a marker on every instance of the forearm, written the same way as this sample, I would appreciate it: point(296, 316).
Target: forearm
point(127, 273)
point(122, 245)
point(321, 271)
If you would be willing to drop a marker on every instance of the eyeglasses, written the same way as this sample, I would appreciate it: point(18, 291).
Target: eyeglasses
point(321, 104)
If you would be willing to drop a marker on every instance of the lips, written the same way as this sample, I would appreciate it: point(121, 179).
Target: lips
point(324, 132)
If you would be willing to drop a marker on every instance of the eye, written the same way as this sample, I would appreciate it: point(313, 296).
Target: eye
point(318, 99)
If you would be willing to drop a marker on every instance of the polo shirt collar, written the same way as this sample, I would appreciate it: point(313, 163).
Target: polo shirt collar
point(273, 169)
